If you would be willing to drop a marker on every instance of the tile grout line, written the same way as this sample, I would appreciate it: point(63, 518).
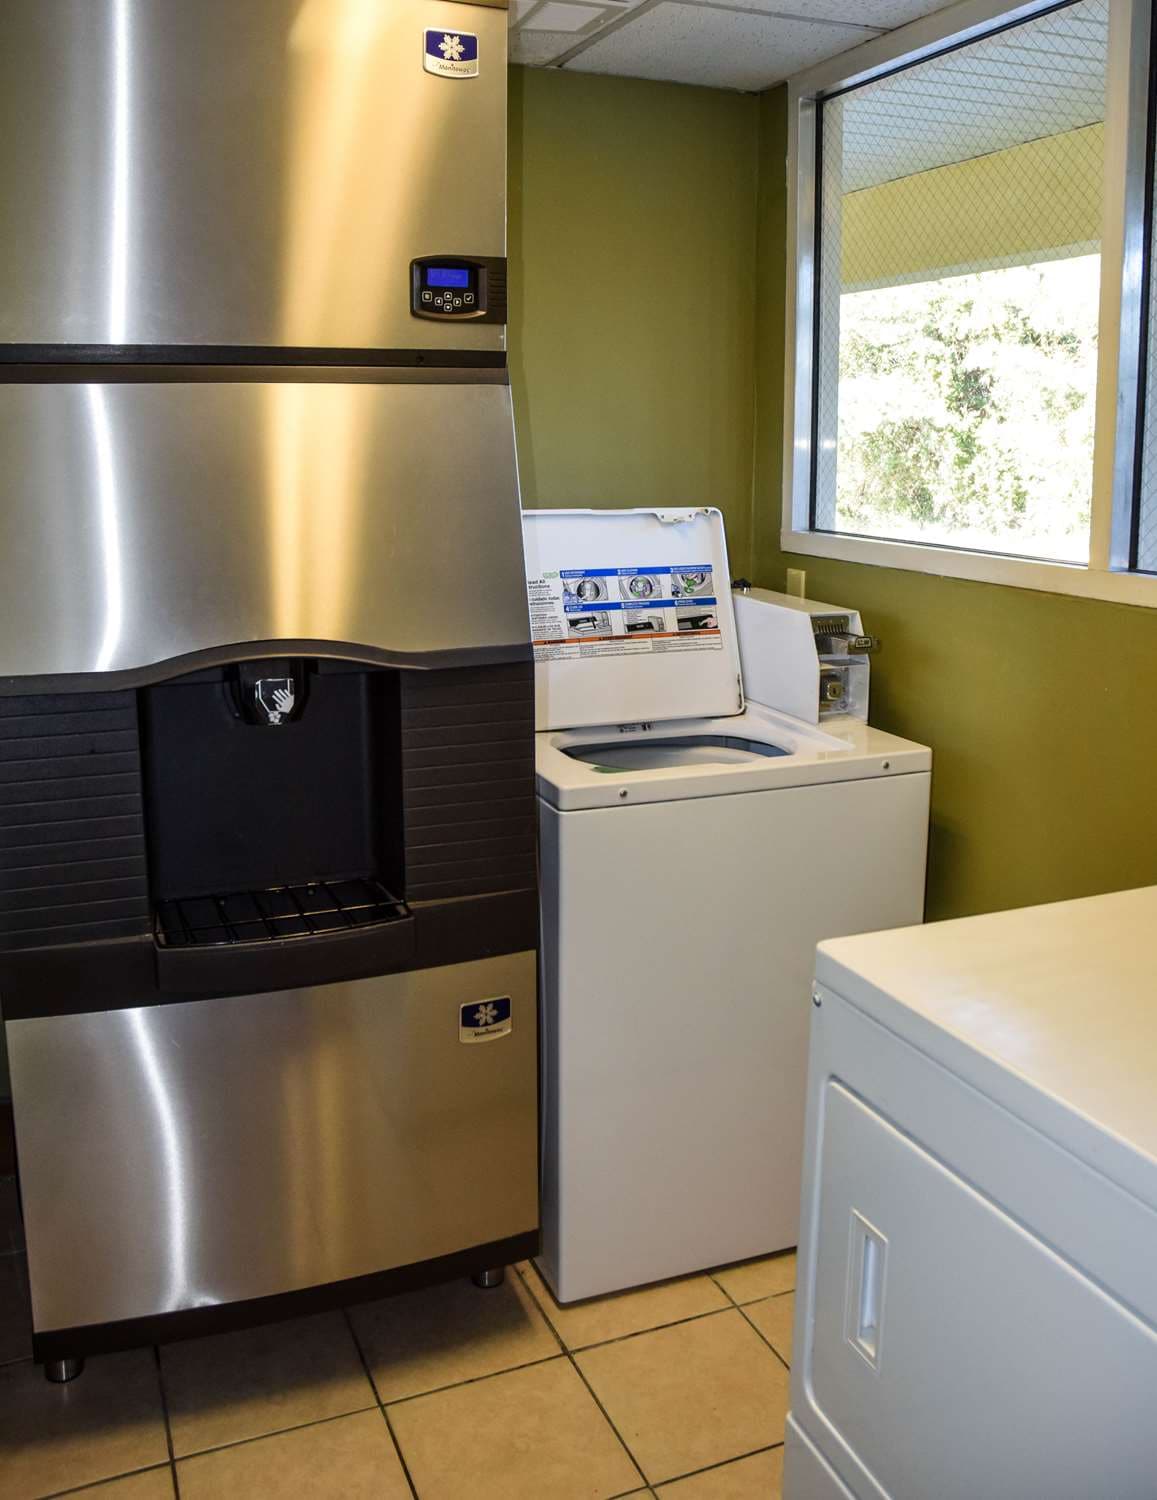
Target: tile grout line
point(712, 1277)
point(771, 1297)
point(365, 1364)
point(697, 1317)
point(638, 1333)
point(457, 1385)
point(96, 1484)
point(621, 1338)
point(168, 1424)
point(259, 1437)
point(586, 1383)
point(760, 1333)
point(409, 1478)
point(722, 1464)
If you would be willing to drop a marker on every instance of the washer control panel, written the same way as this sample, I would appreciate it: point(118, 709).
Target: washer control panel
point(454, 286)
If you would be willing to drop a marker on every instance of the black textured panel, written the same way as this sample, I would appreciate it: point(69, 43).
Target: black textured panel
point(72, 843)
point(496, 290)
point(468, 781)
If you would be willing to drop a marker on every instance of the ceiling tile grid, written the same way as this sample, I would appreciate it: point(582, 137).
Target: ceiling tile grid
point(735, 44)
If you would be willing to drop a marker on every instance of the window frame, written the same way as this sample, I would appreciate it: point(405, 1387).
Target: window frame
point(1124, 271)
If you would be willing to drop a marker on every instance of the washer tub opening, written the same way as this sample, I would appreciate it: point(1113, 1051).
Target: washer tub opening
point(673, 752)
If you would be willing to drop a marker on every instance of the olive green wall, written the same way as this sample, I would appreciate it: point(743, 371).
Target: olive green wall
point(632, 245)
point(1040, 708)
point(643, 330)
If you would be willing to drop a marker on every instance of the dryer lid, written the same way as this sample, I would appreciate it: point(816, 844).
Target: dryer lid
point(630, 614)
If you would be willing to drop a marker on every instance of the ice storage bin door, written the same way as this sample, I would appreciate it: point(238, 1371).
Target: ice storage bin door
point(956, 1308)
point(261, 1144)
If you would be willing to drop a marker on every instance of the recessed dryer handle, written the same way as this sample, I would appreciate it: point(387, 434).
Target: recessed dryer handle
point(864, 1312)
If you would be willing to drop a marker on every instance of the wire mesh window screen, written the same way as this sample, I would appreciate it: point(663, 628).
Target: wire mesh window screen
point(959, 221)
point(1145, 551)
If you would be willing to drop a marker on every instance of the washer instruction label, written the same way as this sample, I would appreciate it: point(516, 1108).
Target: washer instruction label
point(593, 612)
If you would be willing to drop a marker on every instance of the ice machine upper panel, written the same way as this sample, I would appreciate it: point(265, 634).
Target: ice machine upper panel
point(631, 616)
point(140, 523)
point(244, 172)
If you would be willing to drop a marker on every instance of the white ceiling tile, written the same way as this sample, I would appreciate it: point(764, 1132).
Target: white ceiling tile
point(537, 49)
point(889, 13)
point(523, 10)
point(881, 15)
point(560, 15)
point(719, 48)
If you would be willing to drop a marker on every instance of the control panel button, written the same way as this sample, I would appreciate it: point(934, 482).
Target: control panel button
point(468, 298)
point(457, 301)
point(427, 296)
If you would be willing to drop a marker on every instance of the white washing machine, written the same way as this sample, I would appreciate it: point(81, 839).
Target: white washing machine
point(976, 1313)
point(693, 851)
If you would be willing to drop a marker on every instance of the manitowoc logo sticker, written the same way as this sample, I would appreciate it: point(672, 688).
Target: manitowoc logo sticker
point(451, 54)
point(484, 1020)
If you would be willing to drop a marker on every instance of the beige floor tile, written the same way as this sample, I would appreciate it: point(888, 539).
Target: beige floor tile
point(774, 1318)
point(57, 1437)
point(526, 1435)
point(153, 1484)
point(757, 1478)
point(442, 1335)
point(696, 1394)
point(351, 1459)
point(259, 1380)
point(755, 1279)
point(586, 1323)
point(15, 1310)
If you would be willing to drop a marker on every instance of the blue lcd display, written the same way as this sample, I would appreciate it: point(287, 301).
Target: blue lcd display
point(447, 276)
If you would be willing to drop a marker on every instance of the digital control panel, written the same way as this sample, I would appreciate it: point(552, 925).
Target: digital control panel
point(453, 286)
point(450, 289)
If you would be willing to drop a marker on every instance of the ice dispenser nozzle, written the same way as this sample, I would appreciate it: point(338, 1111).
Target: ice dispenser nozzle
point(268, 693)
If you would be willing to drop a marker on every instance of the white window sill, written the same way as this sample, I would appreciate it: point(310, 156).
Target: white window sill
point(980, 567)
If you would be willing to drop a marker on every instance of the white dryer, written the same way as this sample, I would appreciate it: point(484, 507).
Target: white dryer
point(693, 851)
point(976, 1314)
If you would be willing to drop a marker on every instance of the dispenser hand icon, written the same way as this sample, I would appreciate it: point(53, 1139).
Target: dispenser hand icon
point(275, 698)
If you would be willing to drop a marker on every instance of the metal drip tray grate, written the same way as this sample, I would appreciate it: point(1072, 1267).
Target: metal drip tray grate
point(286, 911)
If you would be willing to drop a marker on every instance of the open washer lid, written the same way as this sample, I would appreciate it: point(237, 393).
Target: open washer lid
point(630, 615)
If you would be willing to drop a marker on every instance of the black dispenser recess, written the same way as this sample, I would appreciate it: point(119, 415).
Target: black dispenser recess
point(273, 791)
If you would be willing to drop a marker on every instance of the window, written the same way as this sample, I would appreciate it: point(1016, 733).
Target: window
point(958, 202)
point(1143, 548)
